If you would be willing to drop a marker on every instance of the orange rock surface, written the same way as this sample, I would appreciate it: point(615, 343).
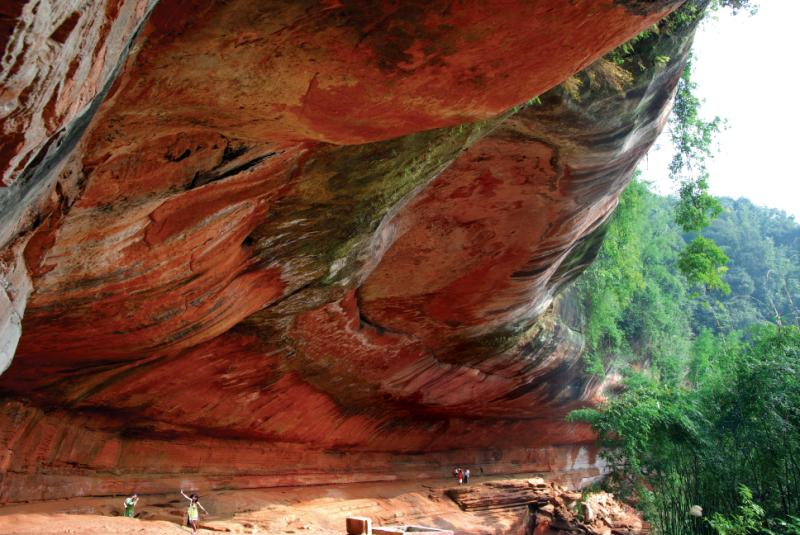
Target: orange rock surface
point(323, 510)
point(305, 242)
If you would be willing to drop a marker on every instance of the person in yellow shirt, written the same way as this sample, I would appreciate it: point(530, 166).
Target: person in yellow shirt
point(193, 513)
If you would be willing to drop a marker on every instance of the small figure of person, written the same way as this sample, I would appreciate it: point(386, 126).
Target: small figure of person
point(192, 513)
point(130, 503)
point(460, 476)
point(455, 472)
point(530, 521)
point(466, 476)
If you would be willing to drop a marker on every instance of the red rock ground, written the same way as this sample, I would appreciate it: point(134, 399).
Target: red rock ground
point(486, 506)
point(317, 510)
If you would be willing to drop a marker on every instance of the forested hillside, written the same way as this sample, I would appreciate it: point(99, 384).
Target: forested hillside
point(709, 418)
point(764, 269)
point(641, 308)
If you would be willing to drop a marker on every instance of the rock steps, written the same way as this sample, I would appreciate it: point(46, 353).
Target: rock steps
point(500, 494)
point(551, 509)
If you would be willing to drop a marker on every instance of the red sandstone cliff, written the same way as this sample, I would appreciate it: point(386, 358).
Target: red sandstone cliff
point(263, 243)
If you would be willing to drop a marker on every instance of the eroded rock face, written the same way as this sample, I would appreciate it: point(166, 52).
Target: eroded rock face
point(302, 242)
point(60, 58)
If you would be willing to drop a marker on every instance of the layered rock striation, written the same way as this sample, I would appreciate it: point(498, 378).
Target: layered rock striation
point(269, 243)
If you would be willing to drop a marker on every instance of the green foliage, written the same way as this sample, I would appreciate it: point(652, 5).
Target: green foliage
point(703, 350)
point(749, 519)
point(713, 412)
point(633, 290)
point(737, 425)
point(651, 47)
point(788, 526)
point(764, 270)
point(711, 416)
point(710, 407)
point(696, 209)
point(692, 136)
point(635, 298)
point(703, 262)
point(661, 60)
point(640, 305)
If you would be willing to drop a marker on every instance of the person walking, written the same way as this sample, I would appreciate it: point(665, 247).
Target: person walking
point(466, 476)
point(130, 503)
point(192, 513)
point(460, 476)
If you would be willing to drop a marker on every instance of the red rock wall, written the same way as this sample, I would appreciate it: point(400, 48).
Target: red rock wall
point(60, 455)
point(306, 242)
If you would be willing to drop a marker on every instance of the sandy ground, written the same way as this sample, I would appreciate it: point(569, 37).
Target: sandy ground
point(298, 510)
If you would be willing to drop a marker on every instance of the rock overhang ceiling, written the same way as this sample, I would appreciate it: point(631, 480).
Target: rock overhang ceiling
point(256, 236)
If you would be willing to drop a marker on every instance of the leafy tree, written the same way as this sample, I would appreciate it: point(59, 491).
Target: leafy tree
point(696, 208)
point(703, 262)
point(692, 139)
point(692, 136)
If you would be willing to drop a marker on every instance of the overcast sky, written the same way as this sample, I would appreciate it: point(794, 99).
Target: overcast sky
point(746, 69)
